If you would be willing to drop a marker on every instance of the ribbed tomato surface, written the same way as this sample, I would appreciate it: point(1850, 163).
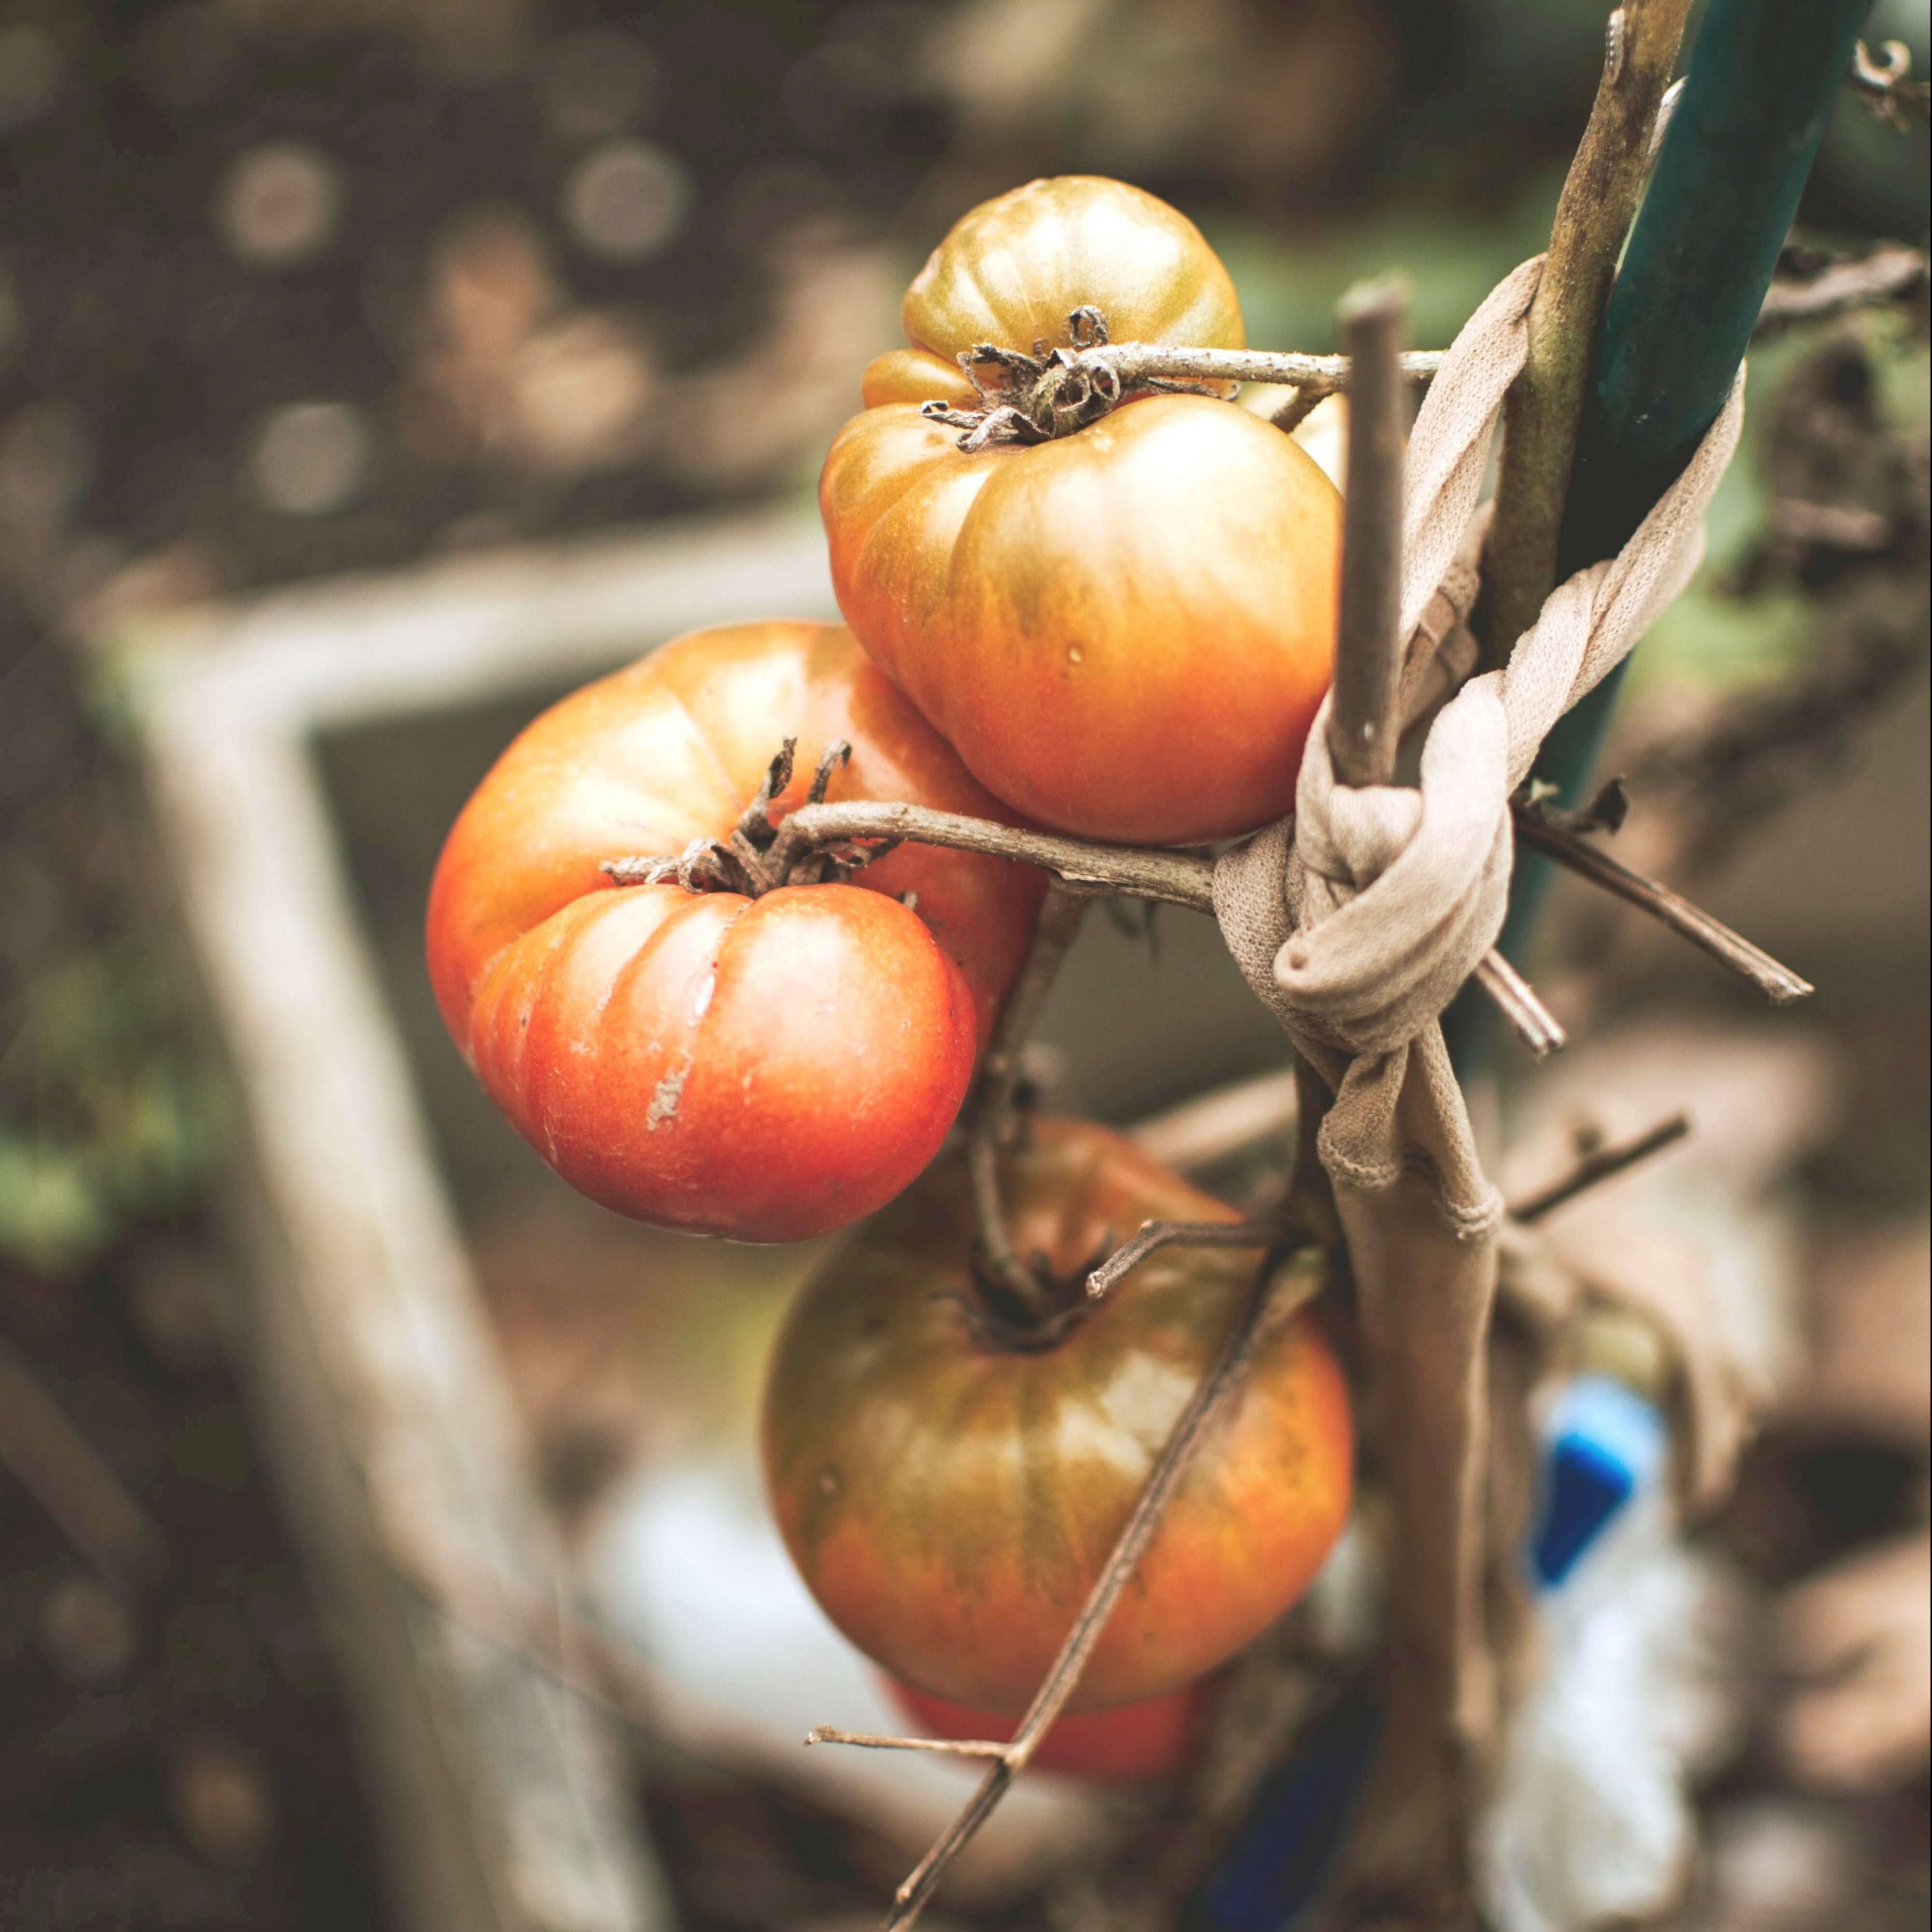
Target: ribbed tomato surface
point(950, 1501)
point(1125, 630)
point(767, 1069)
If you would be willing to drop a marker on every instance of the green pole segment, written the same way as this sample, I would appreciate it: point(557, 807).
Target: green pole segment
point(1762, 79)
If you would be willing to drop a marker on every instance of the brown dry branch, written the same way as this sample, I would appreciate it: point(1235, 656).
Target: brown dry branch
point(991, 1126)
point(1277, 1294)
point(1517, 999)
point(1886, 85)
point(1032, 399)
point(1083, 868)
point(1153, 1235)
point(1891, 272)
point(875, 1740)
point(1537, 827)
point(1600, 1165)
point(1139, 361)
point(1545, 403)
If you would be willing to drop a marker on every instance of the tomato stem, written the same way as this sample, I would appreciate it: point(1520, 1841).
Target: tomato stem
point(1278, 1293)
point(1540, 825)
point(1083, 867)
point(1055, 391)
point(1024, 1284)
point(1261, 1232)
point(1602, 1164)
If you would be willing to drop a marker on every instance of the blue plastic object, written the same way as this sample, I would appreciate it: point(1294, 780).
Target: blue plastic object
point(1604, 1445)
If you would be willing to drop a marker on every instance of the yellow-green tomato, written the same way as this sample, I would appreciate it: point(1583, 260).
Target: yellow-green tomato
point(950, 1496)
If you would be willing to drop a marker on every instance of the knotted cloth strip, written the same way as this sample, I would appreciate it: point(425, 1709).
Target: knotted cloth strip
point(1359, 920)
point(1356, 922)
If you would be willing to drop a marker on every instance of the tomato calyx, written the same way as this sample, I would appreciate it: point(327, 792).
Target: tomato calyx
point(999, 1323)
point(1054, 391)
point(742, 864)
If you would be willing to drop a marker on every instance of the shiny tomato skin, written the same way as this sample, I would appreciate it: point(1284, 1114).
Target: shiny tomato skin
point(1012, 270)
point(768, 1068)
point(950, 1502)
point(672, 748)
point(1126, 632)
point(829, 1054)
point(1154, 1738)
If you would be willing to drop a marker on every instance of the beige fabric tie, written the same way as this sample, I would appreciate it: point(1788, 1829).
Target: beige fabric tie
point(1356, 922)
point(1359, 920)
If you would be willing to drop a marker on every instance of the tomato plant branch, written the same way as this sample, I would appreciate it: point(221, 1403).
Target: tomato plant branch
point(1599, 1165)
point(1545, 403)
point(1518, 1001)
point(1275, 1291)
point(1539, 827)
point(1137, 361)
point(1153, 1235)
point(1083, 868)
point(990, 1129)
point(875, 1740)
point(1032, 399)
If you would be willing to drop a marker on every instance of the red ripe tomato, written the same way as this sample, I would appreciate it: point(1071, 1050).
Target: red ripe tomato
point(950, 1493)
point(1125, 630)
point(1154, 1738)
point(767, 1069)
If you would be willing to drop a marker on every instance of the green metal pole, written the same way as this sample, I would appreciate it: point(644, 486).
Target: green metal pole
point(1762, 81)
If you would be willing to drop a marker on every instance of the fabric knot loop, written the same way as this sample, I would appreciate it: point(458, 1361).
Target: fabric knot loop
point(1399, 893)
point(1360, 919)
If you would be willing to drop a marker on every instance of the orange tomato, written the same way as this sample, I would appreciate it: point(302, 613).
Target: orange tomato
point(1126, 630)
point(766, 1069)
point(950, 1496)
point(1003, 272)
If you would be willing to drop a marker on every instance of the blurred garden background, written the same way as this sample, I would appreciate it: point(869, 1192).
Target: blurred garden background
point(298, 290)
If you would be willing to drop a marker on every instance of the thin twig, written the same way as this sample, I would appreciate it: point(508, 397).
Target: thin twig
point(1270, 1289)
point(1600, 1166)
point(67, 1476)
point(991, 1128)
point(1155, 1235)
point(1891, 272)
point(1545, 402)
point(875, 1740)
point(1082, 865)
point(1776, 981)
point(1535, 1026)
point(1134, 362)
